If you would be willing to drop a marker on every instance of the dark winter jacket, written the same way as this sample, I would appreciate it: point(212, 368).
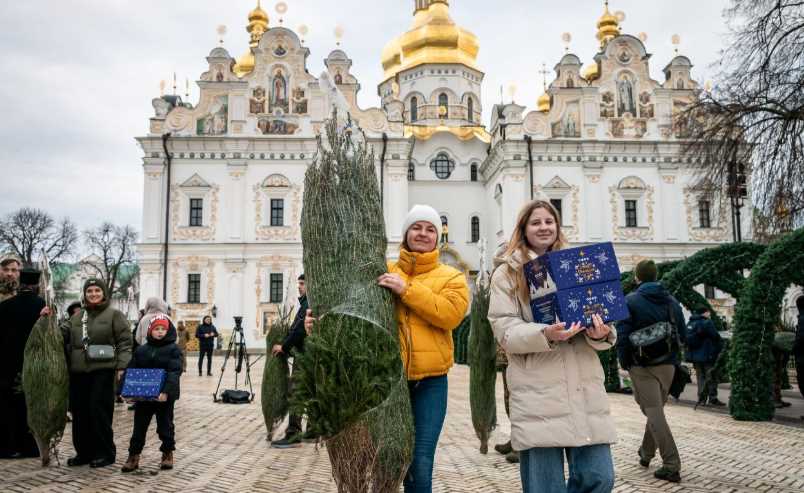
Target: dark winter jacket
point(650, 303)
point(17, 317)
point(798, 345)
point(206, 342)
point(105, 325)
point(164, 354)
point(296, 335)
point(703, 341)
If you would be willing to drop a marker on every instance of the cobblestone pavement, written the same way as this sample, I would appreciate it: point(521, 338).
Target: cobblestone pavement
point(223, 448)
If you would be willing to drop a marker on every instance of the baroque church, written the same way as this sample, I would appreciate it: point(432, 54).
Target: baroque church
point(224, 177)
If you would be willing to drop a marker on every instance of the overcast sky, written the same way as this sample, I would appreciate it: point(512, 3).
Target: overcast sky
point(78, 76)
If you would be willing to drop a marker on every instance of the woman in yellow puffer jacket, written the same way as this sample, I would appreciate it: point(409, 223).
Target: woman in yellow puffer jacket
point(432, 299)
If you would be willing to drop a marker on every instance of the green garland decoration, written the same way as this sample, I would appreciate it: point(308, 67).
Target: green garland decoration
point(758, 311)
point(351, 381)
point(483, 368)
point(276, 374)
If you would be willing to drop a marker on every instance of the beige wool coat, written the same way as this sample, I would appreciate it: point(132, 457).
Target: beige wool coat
point(557, 394)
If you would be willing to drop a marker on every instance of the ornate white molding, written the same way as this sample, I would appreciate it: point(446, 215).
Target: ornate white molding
point(625, 233)
point(720, 231)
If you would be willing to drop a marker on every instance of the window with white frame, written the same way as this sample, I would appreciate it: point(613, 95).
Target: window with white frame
point(276, 289)
point(414, 109)
point(473, 172)
point(474, 227)
point(193, 288)
point(442, 165)
point(631, 213)
point(196, 212)
point(705, 213)
point(277, 212)
point(276, 189)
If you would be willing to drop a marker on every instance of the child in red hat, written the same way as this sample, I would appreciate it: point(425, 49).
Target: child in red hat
point(160, 351)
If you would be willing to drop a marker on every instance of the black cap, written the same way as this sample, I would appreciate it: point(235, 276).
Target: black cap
point(301, 277)
point(29, 277)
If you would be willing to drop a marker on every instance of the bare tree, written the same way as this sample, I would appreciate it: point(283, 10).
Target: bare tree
point(753, 117)
point(28, 231)
point(111, 250)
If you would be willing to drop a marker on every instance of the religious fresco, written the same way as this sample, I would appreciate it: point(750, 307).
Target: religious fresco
point(275, 126)
point(299, 101)
point(279, 91)
point(607, 105)
point(625, 96)
point(570, 123)
point(628, 127)
point(680, 127)
point(257, 101)
point(645, 105)
point(216, 121)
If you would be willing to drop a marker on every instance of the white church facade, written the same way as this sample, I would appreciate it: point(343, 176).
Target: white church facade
point(221, 232)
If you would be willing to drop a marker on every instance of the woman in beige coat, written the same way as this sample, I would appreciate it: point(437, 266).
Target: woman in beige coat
point(558, 402)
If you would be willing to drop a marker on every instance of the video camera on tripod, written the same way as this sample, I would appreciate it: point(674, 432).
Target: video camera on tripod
point(237, 343)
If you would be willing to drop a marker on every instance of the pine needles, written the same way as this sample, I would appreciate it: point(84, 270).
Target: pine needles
point(350, 382)
point(275, 377)
point(483, 368)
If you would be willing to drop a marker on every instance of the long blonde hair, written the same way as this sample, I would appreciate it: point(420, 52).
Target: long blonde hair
point(519, 240)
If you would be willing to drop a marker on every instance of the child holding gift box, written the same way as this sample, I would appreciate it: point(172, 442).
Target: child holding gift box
point(558, 403)
point(160, 351)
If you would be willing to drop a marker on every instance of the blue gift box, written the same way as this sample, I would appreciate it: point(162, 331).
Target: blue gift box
point(578, 304)
point(575, 267)
point(143, 383)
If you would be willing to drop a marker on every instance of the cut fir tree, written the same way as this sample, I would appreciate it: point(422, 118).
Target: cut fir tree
point(350, 379)
point(275, 377)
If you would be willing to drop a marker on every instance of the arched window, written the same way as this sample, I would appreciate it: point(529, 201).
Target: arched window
point(443, 102)
point(411, 171)
point(442, 165)
point(475, 229)
point(414, 109)
point(470, 109)
point(570, 82)
point(473, 172)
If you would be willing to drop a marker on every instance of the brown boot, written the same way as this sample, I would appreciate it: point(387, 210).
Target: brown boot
point(167, 461)
point(132, 463)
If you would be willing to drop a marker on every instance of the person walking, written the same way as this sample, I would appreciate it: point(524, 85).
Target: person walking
point(182, 339)
point(18, 315)
point(558, 403)
point(99, 340)
point(159, 352)
point(703, 347)
point(206, 334)
point(294, 344)
point(650, 305)
point(431, 301)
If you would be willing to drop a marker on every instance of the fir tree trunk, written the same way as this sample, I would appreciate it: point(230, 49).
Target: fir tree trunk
point(351, 383)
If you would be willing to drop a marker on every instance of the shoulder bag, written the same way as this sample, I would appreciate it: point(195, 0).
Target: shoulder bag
point(95, 352)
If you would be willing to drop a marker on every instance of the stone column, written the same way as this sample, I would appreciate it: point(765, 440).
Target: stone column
point(396, 198)
point(595, 203)
point(153, 205)
point(236, 200)
point(673, 212)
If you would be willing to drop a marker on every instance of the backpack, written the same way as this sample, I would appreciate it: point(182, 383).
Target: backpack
point(656, 343)
point(694, 340)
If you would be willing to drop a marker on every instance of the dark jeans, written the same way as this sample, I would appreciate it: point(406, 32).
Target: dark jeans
point(92, 405)
point(15, 437)
point(143, 412)
point(800, 373)
point(428, 398)
point(707, 381)
point(208, 352)
point(591, 469)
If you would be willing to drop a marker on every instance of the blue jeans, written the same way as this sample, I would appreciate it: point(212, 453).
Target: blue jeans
point(428, 398)
point(591, 469)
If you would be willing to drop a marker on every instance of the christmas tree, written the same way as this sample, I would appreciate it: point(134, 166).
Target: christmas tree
point(482, 361)
point(351, 383)
point(275, 376)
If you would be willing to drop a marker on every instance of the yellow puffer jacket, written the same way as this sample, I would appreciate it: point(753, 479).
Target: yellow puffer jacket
point(433, 304)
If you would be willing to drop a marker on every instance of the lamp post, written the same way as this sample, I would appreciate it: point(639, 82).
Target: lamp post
point(737, 191)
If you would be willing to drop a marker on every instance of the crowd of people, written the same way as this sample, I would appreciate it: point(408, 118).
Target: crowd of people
point(554, 382)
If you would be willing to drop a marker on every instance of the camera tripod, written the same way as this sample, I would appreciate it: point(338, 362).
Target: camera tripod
point(237, 344)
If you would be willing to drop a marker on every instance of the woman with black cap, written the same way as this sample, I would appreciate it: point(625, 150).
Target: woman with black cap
point(99, 340)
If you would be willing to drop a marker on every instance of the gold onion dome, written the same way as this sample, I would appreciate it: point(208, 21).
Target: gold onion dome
point(257, 25)
point(543, 103)
point(433, 38)
point(608, 27)
point(591, 72)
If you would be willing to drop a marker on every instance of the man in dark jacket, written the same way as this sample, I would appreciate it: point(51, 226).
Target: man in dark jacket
point(206, 333)
point(798, 346)
point(17, 318)
point(294, 342)
point(648, 305)
point(703, 347)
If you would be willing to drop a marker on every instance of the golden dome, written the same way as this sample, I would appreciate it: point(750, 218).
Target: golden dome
point(433, 38)
point(257, 25)
point(608, 27)
point(591, 72)
point(543, 103)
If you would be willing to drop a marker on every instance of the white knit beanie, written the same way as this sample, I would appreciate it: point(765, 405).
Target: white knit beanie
point(421, 212)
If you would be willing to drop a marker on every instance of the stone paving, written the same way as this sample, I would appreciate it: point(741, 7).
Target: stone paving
point(223, 448)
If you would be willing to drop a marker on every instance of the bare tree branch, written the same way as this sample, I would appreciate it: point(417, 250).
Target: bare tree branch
point(28, 231)
point(111, 249)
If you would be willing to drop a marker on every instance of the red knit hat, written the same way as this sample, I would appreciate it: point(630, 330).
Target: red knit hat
point(159, 321)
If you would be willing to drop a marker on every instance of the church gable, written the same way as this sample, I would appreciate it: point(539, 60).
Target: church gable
point(195, 181)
